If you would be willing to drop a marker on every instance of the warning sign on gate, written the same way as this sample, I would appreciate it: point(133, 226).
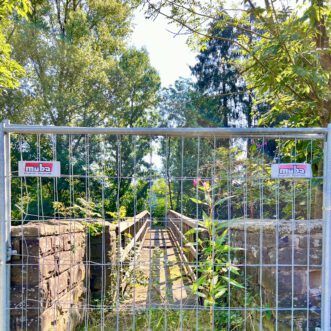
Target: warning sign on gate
point(39, 169)
point(291, 170)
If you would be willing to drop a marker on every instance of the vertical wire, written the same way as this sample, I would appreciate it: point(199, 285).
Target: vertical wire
point(55, 185)
point(264, 143)
point(37, 179)
point(40, 182)
point(24, 304)
point(70, 170)
point(134, 183)
point(55, 181)
point(119, 259)
point(197, 235)
point(261, 186)
point(56, 197)
point(293, 223)
point(245, 203)
point(277, 234)
point(150, 262)
point(88, 199)
point(39, 193)
point(309, 201)
point(229, 205)
point(71, 174)
point(88, 250)
point(86, 246)
point(72, 237)
point(181, 229)
point(213, 172)
point(167, 203)
point(72, 188)
point(103, 239)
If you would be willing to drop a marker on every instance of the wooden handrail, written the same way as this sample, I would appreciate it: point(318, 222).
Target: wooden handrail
point(124, 225)
point(189, 221)
point(141, 222)
point(176, 223)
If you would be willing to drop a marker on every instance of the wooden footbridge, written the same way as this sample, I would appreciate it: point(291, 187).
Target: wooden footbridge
point(163, 262)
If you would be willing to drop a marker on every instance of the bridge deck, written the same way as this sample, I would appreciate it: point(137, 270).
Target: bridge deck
point(166, 279)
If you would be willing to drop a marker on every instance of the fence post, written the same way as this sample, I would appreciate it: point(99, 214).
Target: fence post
point(5, 217)
point(326, 258)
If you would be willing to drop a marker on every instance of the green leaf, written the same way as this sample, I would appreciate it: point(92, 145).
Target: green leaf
point(221, 292)
point(199, 202)
point(220, 201)
point(232, 282)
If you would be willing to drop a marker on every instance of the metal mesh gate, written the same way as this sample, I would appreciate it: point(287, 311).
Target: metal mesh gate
point(164, 229)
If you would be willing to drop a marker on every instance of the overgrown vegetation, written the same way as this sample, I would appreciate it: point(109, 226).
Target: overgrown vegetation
point(284, 53)
point(10, 70)
point(215, 271)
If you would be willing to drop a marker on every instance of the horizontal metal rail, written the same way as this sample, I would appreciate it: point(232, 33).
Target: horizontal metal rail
point(303, 133)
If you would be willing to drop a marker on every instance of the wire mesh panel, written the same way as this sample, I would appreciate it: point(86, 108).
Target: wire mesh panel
point(173, 231)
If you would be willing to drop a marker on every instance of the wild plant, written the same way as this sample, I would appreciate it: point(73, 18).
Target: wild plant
point(216, 273)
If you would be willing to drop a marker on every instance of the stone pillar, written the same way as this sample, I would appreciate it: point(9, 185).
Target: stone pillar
point(276, 242)
point(47, 275)
point(101, 252)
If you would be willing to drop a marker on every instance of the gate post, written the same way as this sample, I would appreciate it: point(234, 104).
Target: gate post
point(326, 258)
point(5, 218)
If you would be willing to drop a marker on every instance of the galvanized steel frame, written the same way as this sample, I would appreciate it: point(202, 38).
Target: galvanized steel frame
point(301, 133)
point(5, 223)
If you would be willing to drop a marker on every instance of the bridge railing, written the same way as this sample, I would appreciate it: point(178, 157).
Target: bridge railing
point(131, 232)
point(179, 225)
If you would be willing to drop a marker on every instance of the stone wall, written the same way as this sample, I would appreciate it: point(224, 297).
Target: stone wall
point(281, 243)
point(47, 274)
point(60, 266)
point(53, 265)
point(102, 254)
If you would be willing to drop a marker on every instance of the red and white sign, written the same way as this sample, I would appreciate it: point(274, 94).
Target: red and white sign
point(39, 169)
point(291, 170)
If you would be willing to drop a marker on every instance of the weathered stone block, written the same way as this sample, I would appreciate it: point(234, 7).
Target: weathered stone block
point(65, 314)
point(47, 228)
point(49, 269)
point(67, 259)
point(32, 272)
point(294, 239)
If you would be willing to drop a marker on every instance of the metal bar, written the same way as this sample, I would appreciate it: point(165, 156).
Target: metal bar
point(4, 227)
point(8, 223)
point(173, 132)
point(326, 263)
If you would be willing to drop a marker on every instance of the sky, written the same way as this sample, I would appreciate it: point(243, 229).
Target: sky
point(169, 54)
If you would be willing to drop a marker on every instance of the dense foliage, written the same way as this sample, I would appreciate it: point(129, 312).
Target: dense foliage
point(79, 69)
point(10, 70)
point(285, 49)
point(224, 99)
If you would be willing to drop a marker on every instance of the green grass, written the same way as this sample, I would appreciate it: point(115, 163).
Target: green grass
point(158, 319)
